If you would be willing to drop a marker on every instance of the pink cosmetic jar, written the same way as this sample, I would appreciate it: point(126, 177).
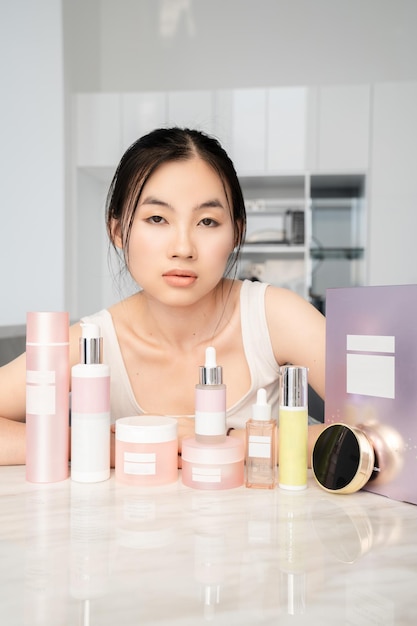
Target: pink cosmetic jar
point(146, 450)
point(215, 466)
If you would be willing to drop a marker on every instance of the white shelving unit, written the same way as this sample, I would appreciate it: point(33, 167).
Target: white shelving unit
point(278, 231)
point(329, 248)
point(338, 236)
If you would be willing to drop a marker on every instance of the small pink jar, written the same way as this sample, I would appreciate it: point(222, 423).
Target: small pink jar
point(213, 466)
point(146, 450)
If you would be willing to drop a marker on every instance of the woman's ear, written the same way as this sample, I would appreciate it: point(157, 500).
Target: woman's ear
point(115, 233)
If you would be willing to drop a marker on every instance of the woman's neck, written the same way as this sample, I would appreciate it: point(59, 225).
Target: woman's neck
point(182, 328)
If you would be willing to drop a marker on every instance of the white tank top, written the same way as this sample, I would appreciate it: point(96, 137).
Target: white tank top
point(264, 370)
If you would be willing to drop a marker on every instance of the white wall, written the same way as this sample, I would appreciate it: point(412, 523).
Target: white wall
point(392, 233)
point(32, 211)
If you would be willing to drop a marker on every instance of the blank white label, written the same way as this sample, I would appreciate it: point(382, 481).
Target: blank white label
point(40, 399)
point(370, 343)
point(42, 377)
point(206, 474)
point(370, 375)
point(259, 446)
point(140, 464)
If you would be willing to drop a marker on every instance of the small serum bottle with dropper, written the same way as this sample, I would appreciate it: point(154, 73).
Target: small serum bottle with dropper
point(210, 402)
point(210, 459)
point(90, 411)
point(293, 428)
point(261, 433)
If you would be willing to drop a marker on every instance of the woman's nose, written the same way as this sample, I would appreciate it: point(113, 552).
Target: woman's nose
point(182, 244)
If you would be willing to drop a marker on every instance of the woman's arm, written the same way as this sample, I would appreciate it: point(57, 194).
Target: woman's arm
point(12, 442)
point(298, 334)
point(13, 412)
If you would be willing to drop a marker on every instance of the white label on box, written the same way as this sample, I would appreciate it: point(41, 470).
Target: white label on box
point(370, 375)
point(140, 464)
point(259, 446)
point(370, 343)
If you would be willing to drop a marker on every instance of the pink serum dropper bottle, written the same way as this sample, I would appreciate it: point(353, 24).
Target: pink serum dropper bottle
point(210, 402)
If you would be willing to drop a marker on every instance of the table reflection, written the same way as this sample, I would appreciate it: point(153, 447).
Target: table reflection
point(74, 554)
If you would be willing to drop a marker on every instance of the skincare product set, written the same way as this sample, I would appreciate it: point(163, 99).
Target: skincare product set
point(146, 448)
point(261, 435)
point(47, 403)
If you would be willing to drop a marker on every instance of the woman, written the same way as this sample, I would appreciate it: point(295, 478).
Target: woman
point(175, 212)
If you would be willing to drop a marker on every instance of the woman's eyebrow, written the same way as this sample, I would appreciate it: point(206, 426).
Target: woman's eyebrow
point(214, 203)
point(153, 200)
point(211, 204)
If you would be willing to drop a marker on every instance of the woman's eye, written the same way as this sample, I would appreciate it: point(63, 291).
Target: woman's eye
point(208, 221)
point(155, 219)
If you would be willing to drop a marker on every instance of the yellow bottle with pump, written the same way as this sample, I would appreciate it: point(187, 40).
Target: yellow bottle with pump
point(293, 428)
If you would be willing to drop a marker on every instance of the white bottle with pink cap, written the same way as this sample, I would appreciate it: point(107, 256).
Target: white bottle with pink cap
point(90, 410)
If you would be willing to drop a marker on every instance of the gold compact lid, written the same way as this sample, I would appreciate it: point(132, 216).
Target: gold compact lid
point(343, 459)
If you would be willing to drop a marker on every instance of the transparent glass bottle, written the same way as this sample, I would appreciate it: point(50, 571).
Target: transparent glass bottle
point(261, 432)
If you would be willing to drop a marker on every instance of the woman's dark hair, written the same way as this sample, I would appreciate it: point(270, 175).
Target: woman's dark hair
point(149, 152)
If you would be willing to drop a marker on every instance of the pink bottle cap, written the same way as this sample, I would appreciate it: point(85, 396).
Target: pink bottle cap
point(46, 327)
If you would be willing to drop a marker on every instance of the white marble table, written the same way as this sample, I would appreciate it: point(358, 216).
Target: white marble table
point(107, 554)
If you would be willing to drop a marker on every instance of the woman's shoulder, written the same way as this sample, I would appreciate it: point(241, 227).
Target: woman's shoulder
point(283, 296)
point(272, 294)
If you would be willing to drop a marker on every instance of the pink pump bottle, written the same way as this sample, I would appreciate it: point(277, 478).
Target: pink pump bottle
point(90, 410)
point(47, 396)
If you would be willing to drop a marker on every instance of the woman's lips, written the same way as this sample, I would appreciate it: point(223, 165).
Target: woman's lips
point(180, 278)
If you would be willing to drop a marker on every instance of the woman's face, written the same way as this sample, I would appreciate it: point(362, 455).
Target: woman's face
point(182, 233)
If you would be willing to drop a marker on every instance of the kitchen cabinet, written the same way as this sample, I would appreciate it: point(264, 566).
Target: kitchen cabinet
point(191, 109)
point(264, 130)
point(141, 113)
point(286, 125)
point(97, 129)
point(249, 130)
point(107, 124)
point(223, 119)
point(283, 130)
point(342, 130)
